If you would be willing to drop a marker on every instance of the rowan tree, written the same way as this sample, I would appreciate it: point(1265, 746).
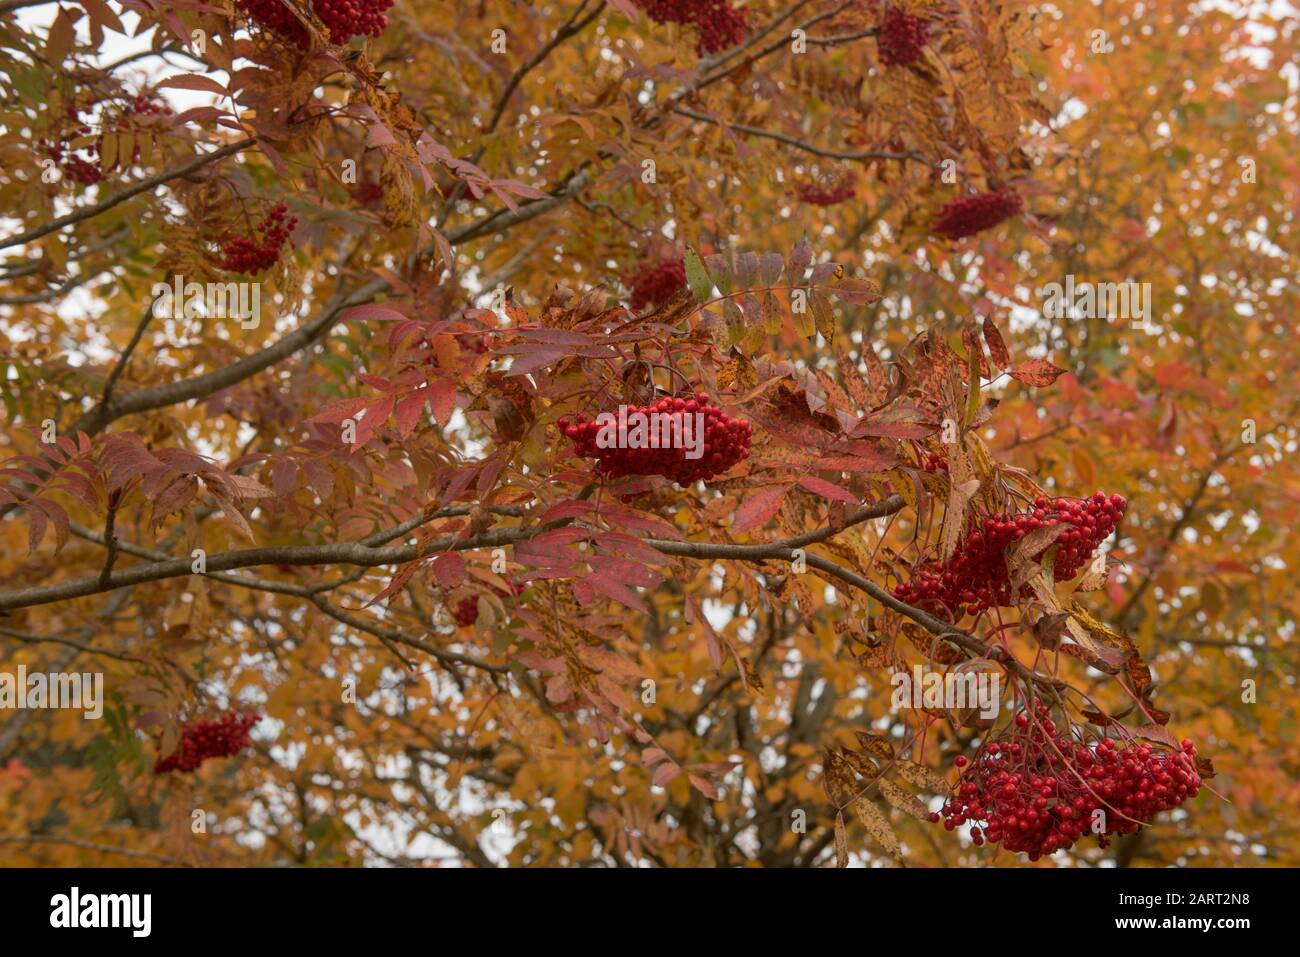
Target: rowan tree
point(364, 585)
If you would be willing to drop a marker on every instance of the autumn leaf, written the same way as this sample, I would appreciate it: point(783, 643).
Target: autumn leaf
point(1036, 372)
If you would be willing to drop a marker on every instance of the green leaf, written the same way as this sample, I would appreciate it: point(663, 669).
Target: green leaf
point(719, 266)
point(735, 322)
point(697, 277)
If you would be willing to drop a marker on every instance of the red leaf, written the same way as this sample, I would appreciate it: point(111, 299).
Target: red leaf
point(449, 569)
point(827, 489)
point(1036, 372)
point(896, 423)
point(340, 410)
point(284, 476)
point(568, 509)
point(616, 590)
point(408, 413)
point(193, 81)
point(703, 786)
point(442, 399)
point(372, 313)
point(665, 774)
point(759, 508)
point(997, 345)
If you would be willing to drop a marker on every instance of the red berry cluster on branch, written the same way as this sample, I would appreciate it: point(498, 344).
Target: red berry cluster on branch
point(1035, 790)
point(968, 215)
point(367, 192)
point(344, 19)
point(76, 168)
point(827, 191)
point(933, 462)
point(657, 284)
point(278, 19)
point(351, 18)
point(146, 105)
point(726, 441)
point(901, 37)
point(85, 170)
point(976, 576)
point(719, 24)
point(466, 611)
point(222, 738)
point(245, 255)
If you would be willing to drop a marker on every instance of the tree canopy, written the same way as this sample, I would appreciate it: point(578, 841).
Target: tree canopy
point(987, 313)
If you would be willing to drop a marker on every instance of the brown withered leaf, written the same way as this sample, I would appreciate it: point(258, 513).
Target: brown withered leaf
point(1037, 372)
point(875, 745)
point(1034, 543)
point(955, 516)
point(903, 799)
point(1158, 716)
point(923, 777)
point(1108, 660)
point(861, 764)
point(943, 653)
point(737, 375)
point(841, 842)
point(837, 777)
point(853, 382)
point(997, 345)
point(875, 823)
point(1047, 627)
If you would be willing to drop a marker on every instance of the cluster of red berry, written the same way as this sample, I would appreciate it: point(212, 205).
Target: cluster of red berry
point(350, 18)
point(968, 215)
point(276, 17)
point(901, 37)
point(76, 168)
point(725, 442)
point(244, 255)
point(933, 462)
point(976, 576)
point(85, 170)
point(720, 25)
point(146, 105)
point(223, 738)
point(1036, 791)
point(827, 191)
point(367, 192)
point(657, 284)
point(466, 611)
point(344, 19)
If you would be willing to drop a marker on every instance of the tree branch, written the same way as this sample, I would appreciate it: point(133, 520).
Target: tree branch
point(800, 144)
point(146, 184)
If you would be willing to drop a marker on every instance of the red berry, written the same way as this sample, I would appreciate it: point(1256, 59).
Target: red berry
point(657, 283)
point(967, 215)
point(222, 738)
point(725, 442)
point(718, 24)
point(901, 37)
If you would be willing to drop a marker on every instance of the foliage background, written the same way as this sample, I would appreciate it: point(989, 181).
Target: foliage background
point(1131, 165)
